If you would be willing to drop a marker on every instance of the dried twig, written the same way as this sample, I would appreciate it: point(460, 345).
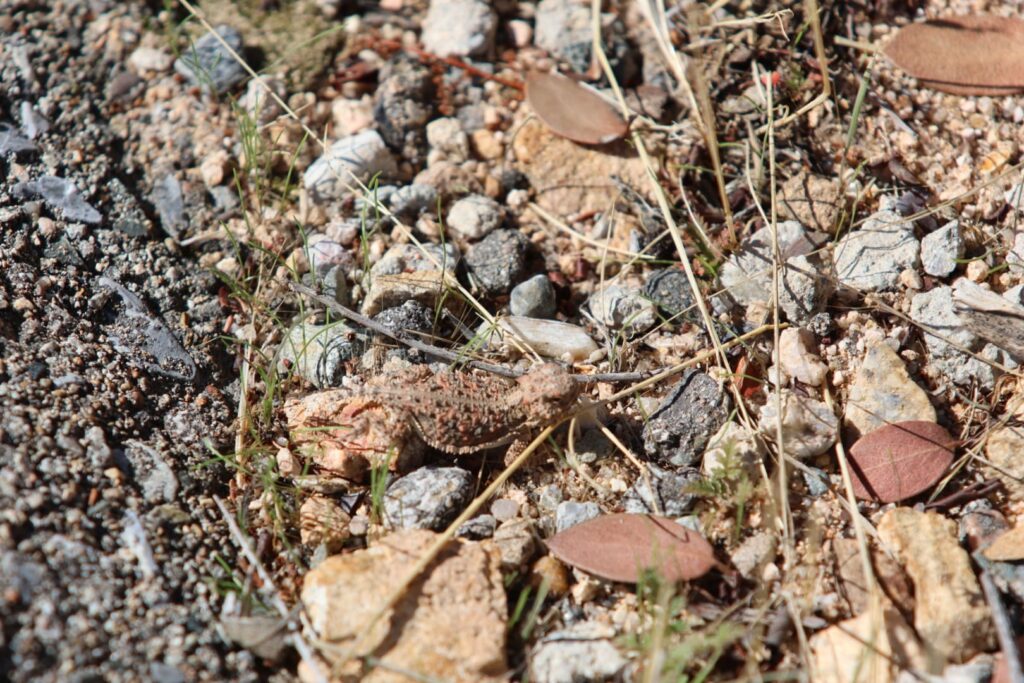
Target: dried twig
point(1004, 629)
point(303, 648)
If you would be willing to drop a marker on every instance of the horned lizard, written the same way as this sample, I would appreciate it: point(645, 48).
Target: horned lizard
point(458, 411)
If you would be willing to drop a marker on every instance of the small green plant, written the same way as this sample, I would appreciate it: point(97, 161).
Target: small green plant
point(378, 486)
point(729, 485)
point(671, 647)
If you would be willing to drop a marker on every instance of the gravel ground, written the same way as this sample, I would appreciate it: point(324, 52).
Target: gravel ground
point(104, 424)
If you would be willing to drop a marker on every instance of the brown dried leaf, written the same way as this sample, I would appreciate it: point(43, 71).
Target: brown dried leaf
point(573, 110)
point(969, 55)
point(900, 460)
point(619, 547)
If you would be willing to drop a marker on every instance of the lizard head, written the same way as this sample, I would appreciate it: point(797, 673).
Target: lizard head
point(549, 391)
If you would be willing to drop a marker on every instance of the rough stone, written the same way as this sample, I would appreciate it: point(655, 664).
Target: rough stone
point(59, 194)
point(679, 430)
point(446, 138)
point(941, 249)
point(950, 611)
point(622, 309)
point(669, 290)
point(322, 521)
point(150, 470)
point(753, 554)
point(1003, 450)
point(563, 28)
point(410, 272)
point(857, 649)
point(516, 544)
point(809, 427)
point(403, 103)
point(671, 495)
point(533, 298)
point(452, 627)
point(570, 178)
point(206, 63)
point(463, 28)
point(582, 652)
point(570, 513)
point(474, 216)
point(318, 353)
point(935, 311)
point(871, 258)
point(798, 359)
point(733, 447)
point(412, 200)
point(498, 261)
point(357, 157)
point(429, 498)
point(814, 201)
point(883, 392)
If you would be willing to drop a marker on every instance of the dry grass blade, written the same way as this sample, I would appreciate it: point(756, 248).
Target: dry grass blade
point(620, 547)
point(573, 110)
point(971, 55)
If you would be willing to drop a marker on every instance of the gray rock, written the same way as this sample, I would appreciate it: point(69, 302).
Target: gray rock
point(149, 469)
point(170, 205)
point(570, 513)
point(410, 272)
point(11, 140)
point(941, 249)
point(583, 652)
point(125, 211)
point(516, 544)
point(1014, 257)
point(679, 430)
point(474, 216)
point(406, 258)
point(429, 498)
point(318, 353)
point(403, 103)
point(504, 509)
point(412, 200)
point(478, 528)
point(669, 290)
point(324, 254)
point(549, 338)
point(621, 308)
point(366, 204)
point(563, 28)
point(883, 392)
point(498, 261)
point(935, 311)
point(34, 123)
point(206, 63)
point(463, 28)
point(746, 276)
point(59, 194)
point(411, 316)
point(803, 292)
point(663, 492)
point(357, 157)
point(816, 481)
point(533, 298)
point(809, 427)
point(871, 258)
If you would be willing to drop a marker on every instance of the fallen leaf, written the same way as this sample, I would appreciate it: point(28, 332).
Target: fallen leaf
point(572, 110)
point(619, 547)
point(969, 55)
point(900, 460)
point(1008, 546)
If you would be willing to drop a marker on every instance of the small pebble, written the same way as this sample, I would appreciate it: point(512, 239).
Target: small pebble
point(429, 498)
point(206, 63)
point(622, 308)
point(570, 513)
point(798, 358)
point(474, 216)
point(498, 261)
point(679, 430)
point(533, 298)
point(809, 427)
point(459, 28)
point(357, 157)
point(977, 271)
point(504, 509)
point(941, 249)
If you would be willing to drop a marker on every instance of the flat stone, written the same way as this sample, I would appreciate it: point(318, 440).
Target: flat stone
point(169, 201)
point(1003, 450)
point(669, 290)
point(206, 63)
point(882, 392)
point(871, 258)
point(941, 249)
point(753, 554)
point(851, 649)
point(533, 298)
point(151, 471)
point(549, 338)
point(582, 652)
point(408, 271)
point(348, 160)
point(451, 627)
point(459, 28)
point(733, 448)
point(809, 427)
point(516, 544)
point(570, 178)
point(679, 430)
point(59, 194)
point(429, 498)
point(950, 612)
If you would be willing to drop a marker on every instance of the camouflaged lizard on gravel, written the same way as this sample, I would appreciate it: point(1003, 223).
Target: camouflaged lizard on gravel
point(459, 412)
